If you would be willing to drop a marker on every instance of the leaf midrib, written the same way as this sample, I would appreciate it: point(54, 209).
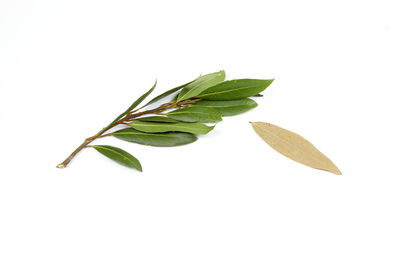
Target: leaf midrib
point(125, 157)
point(187, 112)
point(174, 124)
point(192, 89)
point(149, 134)
point(227, 106)
point(226, 91)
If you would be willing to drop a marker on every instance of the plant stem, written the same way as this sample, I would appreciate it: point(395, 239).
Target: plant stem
point(84, 144)
point(122, 119)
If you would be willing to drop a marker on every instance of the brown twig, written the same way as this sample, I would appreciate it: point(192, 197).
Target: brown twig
point(125, 118)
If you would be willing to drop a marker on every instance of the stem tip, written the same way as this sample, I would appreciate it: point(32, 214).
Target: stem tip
point(61, 166)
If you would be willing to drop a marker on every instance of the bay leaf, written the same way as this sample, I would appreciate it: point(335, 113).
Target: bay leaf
point(167, 93)
point(157, 119)
point(155, 139)
point(294, 146)
point(235, 89)
point(140, 99)
point(228, 107)
point(119, 155)
point(160, 127)
point(134, 104)
point(196, 114)
point(200, 84)
point(175, 98)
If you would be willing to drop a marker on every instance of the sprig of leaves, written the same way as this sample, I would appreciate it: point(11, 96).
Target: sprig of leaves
point(204, 100)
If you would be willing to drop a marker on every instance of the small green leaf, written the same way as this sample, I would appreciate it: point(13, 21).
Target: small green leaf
point(200, 84)
point(175, 98)
point(167, 93)
point(229, 107)
point(119, 155)
point(157, 119)
point(196, 114)
point(155, 139)
point(140, 99)
point(235, 89)
point(134, 104)
point(160, 127)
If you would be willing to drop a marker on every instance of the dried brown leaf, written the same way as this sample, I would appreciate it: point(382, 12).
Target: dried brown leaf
point(294, 146)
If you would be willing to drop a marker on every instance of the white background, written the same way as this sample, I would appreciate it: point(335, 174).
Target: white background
point(67, 68)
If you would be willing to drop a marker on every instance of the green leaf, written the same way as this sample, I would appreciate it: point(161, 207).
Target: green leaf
point(175, 98)
point(200, 84)
point(235, 89)
point(155, 139)
point(196, 114)
point(167, 93)
point(134, 104)
point(119, 155)
point(140, 99)
point(228, 107)
point(157, 119)
point(160, 127)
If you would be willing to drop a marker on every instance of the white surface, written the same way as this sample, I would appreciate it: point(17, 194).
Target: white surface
point(69, 67)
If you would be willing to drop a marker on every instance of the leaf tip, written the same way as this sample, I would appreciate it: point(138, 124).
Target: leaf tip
point(60, 166)
point(335, 170)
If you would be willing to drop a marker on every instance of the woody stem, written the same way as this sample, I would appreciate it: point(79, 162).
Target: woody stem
point(121, 119)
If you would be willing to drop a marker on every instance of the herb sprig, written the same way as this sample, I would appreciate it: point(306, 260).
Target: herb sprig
point(204, 100)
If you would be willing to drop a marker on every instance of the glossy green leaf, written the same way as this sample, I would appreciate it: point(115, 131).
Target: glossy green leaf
point(196, 114)
point(140, 99)
point(134, 104)
point(167, 93)
point(175, 98)
point(235, 89)
point(228, 107)
point(119, 155)
point(155, 139)
point(160, 127)
point(200, 84)
point(157, 119)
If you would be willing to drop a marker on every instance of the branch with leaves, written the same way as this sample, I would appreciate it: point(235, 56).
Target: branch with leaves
point(204, 100)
